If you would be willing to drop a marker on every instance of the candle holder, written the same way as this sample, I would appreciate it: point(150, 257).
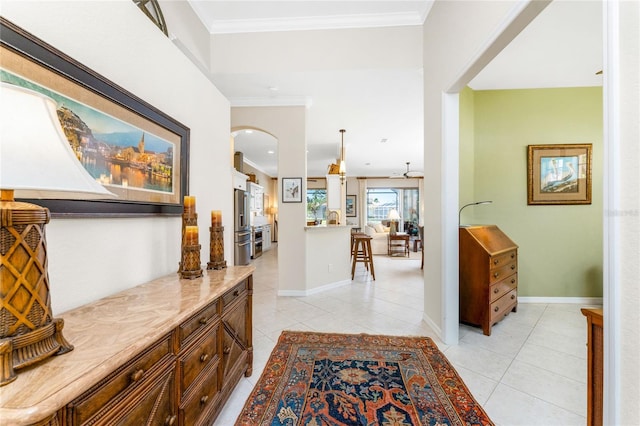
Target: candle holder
point(216, 248)
point(191, 262)
point(189, 218)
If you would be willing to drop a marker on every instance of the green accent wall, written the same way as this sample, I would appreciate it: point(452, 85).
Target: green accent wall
point(560, 246)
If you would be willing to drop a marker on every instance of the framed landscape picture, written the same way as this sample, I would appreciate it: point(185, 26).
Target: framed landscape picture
point(134, 150)
point(559, 174)
point(352, 207)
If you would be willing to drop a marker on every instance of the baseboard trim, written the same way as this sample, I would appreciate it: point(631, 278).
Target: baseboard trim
point(316, 290)
point(435, 327)
point(572, 300)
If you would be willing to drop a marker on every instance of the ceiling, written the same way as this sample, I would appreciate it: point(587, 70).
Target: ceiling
point(561, 48)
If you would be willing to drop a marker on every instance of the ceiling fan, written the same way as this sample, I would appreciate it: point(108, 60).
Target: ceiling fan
point(408, 174)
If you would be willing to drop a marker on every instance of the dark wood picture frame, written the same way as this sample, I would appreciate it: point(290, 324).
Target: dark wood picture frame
point(351, 208)
point(292, 190)
point(559, 174)
point(30, 53)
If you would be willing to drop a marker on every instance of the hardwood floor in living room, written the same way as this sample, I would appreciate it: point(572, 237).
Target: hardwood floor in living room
point(532, 370)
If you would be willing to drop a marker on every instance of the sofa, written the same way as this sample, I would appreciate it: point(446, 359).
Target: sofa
point(379, 237)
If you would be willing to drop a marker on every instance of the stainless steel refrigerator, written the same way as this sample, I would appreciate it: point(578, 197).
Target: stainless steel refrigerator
point(242, 230)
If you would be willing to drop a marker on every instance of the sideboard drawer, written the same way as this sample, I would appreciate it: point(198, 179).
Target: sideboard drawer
point(503, 306)
point(154, 405)
point(197, 323)
point(234, 294)
point(503, 287)
point(204, 397)
point(122, 380)
point(203, 354)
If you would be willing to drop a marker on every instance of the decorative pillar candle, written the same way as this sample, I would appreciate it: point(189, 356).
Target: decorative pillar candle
point(189, 204)
point(191, 235)
point(216, 218)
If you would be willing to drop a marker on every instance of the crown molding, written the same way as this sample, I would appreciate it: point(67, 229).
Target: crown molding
point(317, 23)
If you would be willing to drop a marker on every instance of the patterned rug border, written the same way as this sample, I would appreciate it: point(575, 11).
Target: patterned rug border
point(270, 383)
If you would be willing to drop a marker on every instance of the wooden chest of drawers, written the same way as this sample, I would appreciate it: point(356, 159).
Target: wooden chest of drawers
point(488, 276)
point(168, 352)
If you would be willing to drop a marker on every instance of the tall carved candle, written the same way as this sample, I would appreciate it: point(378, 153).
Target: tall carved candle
point(189, 218)
point(216, 242)
point(216, 218)
point(189, 205)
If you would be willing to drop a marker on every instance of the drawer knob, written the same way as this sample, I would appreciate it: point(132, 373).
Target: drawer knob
point(513, 280)
point(227, 350)
point(513, 255)
point(137, 375)
point(496, 290)
point(170, 420)
point(204, 320)
point(204, 357)
point(204, 399)
point(495, 275)
point(496, 309)
point(513, 267)
point(513, 296)
point(495, 261)
point(235, 293)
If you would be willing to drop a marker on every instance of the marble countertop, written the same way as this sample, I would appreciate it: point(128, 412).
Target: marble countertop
point(107, 333)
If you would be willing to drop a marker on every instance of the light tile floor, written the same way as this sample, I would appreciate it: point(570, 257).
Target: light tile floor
point(530, 371)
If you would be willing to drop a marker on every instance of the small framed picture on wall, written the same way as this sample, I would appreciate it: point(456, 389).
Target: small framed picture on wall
point(352, 207)
point(291, 190)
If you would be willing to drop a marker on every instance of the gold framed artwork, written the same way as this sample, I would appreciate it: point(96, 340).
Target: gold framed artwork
point(559, 174)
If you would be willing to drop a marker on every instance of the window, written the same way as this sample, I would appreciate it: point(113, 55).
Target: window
point(316, 204)
point(380, 201)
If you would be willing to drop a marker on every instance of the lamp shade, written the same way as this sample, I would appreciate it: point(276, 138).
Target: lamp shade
point(393, 215)
point(36, 160)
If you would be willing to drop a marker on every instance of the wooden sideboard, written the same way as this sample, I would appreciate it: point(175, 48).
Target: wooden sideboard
point(168, 352)
point(488, 274)
point(595, 366)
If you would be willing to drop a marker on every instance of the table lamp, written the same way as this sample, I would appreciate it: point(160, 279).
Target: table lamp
point(36, 161)
point(394, 217)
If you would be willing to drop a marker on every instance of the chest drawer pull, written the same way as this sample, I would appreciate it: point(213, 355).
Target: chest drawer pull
point(204, 320)
point(236, 293)
point(495, 261)
point(496, 290)
point(496, 309)
point(226, 350)
point(204, 357)
point(496, 275)
point(170, 420)
point(204, 399)
point(513, 296)
point(513, 267)
point(137, 375)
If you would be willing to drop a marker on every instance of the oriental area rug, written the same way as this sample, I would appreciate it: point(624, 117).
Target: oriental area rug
point(316, 379)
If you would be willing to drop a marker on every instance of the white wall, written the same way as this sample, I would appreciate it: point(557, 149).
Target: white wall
point(91, 258)
point(622, 213)
point(288, 125)
point(452, 34)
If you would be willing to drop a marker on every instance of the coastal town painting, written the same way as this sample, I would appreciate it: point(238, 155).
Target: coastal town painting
point(134, 150)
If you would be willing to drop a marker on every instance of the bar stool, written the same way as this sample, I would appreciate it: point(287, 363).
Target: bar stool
point(361, 252)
